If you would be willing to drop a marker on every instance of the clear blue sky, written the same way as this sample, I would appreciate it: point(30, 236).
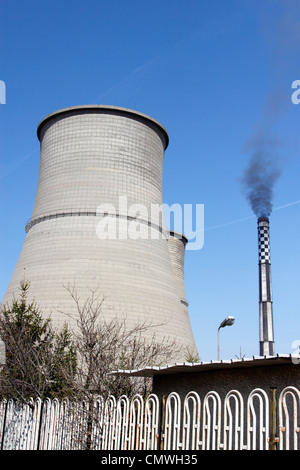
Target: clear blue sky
point(213, 72)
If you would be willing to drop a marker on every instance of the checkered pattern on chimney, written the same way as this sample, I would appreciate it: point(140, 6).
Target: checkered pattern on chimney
point(263, 241)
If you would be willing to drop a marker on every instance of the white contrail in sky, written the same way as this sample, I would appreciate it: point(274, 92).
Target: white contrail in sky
point(286, 205)
point(137, 74)
point(250, 217)
point(17, 164)
point(207, 31)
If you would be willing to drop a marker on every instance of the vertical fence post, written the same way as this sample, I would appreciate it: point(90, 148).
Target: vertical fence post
point(40, 426)
point(273, 419)
point(162, 422)
point(89, 424)
point(3, 427)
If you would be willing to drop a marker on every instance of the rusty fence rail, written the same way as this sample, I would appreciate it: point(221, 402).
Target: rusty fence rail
point(259, 421)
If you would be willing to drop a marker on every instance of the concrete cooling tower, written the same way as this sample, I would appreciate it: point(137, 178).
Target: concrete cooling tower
point(92, 226)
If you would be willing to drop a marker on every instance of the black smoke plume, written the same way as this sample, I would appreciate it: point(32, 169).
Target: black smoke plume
point(261, 173)
point(281, 38)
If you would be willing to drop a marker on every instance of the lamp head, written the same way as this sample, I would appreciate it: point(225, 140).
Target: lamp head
point(227, 322)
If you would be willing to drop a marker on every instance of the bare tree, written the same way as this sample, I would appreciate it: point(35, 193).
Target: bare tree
point(43, 363)
point(105, 345)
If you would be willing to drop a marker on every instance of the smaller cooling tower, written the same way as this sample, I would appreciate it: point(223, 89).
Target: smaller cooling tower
point(266, 333)
point(176, 245)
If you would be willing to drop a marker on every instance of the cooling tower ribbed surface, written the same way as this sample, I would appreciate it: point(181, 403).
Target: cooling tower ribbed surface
point(96, 163)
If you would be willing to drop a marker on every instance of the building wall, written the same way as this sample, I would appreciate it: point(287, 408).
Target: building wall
point(222, 381)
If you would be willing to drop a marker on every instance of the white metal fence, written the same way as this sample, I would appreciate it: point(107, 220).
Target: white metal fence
point(155, 423)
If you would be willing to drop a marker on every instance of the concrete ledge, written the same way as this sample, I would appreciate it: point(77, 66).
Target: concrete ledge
point(183, 368)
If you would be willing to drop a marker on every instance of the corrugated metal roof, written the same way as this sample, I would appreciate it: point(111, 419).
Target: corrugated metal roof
point(185, 367)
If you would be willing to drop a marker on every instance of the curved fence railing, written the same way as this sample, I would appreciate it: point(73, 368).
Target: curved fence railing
point(233, 422)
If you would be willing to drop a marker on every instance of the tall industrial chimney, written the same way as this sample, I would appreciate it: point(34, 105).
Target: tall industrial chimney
point(96, 157)
point(266, 332)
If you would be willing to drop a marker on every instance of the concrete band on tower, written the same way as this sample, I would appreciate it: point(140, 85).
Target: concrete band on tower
point(93, 157)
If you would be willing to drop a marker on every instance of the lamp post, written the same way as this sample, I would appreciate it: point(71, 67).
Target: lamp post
point(227, 322)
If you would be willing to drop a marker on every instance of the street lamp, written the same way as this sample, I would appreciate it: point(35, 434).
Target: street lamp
point(227, 322)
